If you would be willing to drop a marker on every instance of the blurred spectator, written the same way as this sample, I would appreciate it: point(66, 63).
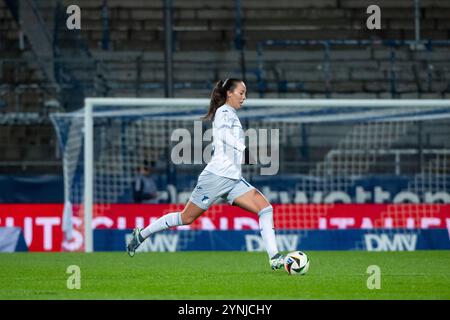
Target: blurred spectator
point(144, 186)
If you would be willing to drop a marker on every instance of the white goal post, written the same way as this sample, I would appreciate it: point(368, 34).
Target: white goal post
point(92, 103)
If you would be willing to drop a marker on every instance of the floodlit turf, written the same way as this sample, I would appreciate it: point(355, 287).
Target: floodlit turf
point(224, 275)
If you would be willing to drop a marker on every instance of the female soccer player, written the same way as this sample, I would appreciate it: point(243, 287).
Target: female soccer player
point(222, 177)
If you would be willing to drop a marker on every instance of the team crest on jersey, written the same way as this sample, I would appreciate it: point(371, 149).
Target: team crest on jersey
point(225, 115)
point(205, 199)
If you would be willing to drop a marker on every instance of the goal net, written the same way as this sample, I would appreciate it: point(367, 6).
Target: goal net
point(309, 155)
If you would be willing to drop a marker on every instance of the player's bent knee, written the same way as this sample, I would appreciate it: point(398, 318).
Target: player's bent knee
point(261, 199)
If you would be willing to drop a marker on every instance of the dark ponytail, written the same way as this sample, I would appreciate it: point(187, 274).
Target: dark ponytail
point(219, 96)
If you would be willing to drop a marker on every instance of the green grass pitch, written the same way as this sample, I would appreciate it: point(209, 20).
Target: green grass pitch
point(224, 275)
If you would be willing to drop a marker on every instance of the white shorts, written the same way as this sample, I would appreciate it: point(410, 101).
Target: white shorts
point(211, 187)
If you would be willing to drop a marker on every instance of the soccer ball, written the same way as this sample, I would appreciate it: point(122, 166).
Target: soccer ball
point(296, 262)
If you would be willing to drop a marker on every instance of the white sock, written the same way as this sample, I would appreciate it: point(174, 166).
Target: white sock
point(167, 221)
point(267, 230)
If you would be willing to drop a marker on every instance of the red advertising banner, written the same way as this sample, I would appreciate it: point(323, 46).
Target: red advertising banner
point(42, 224)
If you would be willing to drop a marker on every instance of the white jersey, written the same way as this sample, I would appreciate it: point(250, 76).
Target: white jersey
point(228, 144)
